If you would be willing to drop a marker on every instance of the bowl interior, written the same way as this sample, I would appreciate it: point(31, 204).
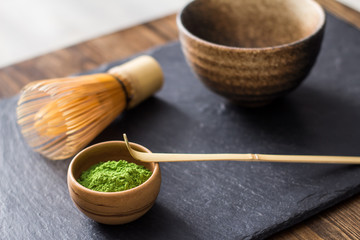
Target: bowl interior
point(102, 152)
point(252, 23)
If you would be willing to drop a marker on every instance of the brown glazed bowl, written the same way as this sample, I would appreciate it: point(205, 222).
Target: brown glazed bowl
point(251, 51)
point(112, 207)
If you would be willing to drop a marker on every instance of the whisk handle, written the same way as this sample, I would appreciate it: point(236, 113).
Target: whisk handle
point(145, 75)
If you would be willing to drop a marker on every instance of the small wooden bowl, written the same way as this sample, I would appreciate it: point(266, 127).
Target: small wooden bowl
point(112, 207)
point(251, 51)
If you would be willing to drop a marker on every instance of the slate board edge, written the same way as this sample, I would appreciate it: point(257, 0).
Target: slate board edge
point(106, 66)
point(307, 214)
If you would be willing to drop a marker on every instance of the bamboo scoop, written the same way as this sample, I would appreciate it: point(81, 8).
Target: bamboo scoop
point(184, 157)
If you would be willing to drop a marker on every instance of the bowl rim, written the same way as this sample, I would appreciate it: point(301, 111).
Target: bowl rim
point(71, 177)
point(184, 30)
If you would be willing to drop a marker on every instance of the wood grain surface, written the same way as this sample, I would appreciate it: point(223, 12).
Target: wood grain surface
point(343, 12)
point(339, 222)
point(87, 55)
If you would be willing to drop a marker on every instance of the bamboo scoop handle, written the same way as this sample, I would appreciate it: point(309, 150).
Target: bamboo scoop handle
point(178, 157)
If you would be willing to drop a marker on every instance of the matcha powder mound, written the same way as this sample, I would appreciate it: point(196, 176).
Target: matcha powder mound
point(114, 176)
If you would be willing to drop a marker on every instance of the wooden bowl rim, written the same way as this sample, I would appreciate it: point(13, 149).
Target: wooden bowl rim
point(73, 181)
point(319, 28)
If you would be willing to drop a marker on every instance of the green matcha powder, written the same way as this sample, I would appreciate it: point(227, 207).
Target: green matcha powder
point(114, 176)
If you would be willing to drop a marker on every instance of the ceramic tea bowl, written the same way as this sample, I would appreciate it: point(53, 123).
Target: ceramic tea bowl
point(251, 51)
point(112, 207)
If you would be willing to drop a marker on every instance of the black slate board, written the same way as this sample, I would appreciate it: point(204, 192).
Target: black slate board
point(206, 200)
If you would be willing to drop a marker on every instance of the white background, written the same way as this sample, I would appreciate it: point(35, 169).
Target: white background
point(29, 28)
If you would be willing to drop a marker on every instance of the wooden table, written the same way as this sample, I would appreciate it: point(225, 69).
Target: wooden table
point(339, 222)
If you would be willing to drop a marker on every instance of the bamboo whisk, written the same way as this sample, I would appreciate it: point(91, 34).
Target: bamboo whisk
point(58, 117)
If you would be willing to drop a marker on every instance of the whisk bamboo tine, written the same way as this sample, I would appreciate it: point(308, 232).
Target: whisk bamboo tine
point(174, 157)
point(58, 117)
